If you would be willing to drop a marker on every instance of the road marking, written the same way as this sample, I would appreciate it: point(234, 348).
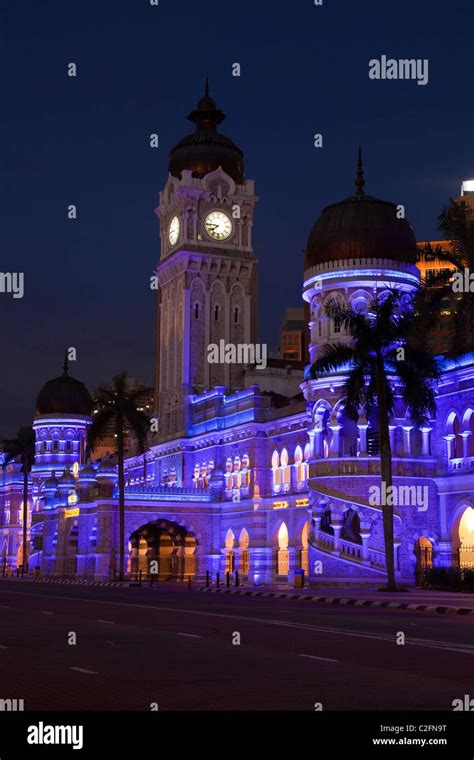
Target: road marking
point(2, 647)
point(313, 657)
point(113, 644)
point(83, 670)
point(445, 645)
point(46, 612)
point(5, 606)
point(109, 622)
point(190, 635)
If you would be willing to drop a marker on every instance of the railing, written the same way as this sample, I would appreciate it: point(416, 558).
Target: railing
point(466, 556)
point(165, 493)
point(461, 463)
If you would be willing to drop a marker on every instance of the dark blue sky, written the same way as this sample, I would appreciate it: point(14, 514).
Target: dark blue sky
point(141, 69)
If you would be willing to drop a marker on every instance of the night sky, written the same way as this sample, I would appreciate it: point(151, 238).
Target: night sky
point(141, 70)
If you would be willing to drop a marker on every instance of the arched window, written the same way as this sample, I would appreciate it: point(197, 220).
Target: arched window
point(285, 470)
point(196, 310)
point(216, 312)
point(276, 471)
point(299, 466)
point(236, 315)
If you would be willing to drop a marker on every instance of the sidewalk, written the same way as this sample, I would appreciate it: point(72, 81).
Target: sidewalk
point(442, 602)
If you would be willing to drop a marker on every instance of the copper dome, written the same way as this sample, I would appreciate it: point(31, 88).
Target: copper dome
point(360, 227)
point(206, 149)
point(64, 395)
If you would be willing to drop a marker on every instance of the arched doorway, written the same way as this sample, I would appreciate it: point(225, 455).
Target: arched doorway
point(164, 550)
point(304, 556)
point(424, 557)
point(466, 538)
point(283, 555)
point(244, 559)
point(229, 551)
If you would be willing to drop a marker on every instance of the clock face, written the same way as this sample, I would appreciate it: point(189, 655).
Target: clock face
point(173, 232)
point(218, 225)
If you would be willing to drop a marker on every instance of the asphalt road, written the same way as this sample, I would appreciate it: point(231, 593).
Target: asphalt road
point(175, 648)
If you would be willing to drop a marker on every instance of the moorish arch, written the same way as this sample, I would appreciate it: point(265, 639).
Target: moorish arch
point(165, 543)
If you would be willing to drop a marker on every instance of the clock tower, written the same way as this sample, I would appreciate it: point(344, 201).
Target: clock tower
point(207, 278)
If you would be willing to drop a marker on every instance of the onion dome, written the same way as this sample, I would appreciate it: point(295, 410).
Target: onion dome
point(107, 469)
point(360, 227)
point(51, 484)
point(64, 395)
point(67, 480)
point(87, 474)
point(206, 149)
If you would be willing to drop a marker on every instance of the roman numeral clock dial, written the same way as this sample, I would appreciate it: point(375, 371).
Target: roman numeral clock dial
point(218, 225)
point(173, 232)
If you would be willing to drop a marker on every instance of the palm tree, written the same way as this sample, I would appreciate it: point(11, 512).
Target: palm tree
point(23, 448)
point(384, 352)
point(456, 223)
point(116, 406)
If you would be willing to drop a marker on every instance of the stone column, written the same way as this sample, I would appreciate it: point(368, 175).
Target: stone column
point(425, 432)
point(406, 439)
point(363, 439)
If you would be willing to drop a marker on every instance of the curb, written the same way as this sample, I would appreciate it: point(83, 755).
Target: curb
point(347, 601)
point(65, 581)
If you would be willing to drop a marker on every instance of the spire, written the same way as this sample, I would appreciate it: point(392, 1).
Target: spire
point(66, 364)
point(206, 91)
point(360, 181)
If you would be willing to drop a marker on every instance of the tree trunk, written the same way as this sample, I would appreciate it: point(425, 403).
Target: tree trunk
point(25, 522)
point(386, 474)
point(121, 483)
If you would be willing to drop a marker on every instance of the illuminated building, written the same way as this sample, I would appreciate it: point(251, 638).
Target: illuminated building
point(244, 476)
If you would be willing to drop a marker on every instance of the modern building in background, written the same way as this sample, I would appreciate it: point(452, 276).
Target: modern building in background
point(256, 470)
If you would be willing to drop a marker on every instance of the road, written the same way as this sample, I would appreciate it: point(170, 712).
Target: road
point(177, 649)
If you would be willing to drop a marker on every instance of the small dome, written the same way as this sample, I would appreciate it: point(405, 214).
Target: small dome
point(87, 472)
point(64, 395)
point(360, 227)
point(67, 479)
point(204, 150)
point(107, 468)
point(51, 483)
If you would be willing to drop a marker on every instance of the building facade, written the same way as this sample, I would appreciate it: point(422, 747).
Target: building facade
point(242, 476)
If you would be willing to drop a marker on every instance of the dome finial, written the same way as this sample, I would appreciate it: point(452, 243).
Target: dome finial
point(206, 91)
point(66, 363)
point(360, 181)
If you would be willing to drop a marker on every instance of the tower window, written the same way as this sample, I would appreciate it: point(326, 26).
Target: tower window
point(236, 315)
point(216, 312)
point(55, 445)
point(196, 311)
point(68, 445)
point(337, 325)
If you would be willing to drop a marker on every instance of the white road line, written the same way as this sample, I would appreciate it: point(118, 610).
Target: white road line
point(5, 606)
point(109, 622)
point(445, 645)
point(313, 657)
point(83, 670)
point(2, 647)
point(46, 612)
point(190, 635)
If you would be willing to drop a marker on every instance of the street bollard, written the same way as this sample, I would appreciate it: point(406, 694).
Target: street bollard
point(217, 580)
point(139, 577)
point(4, 568)
point(190, 587)
point(227, 579)
point(237, 580)
point(207, 578)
